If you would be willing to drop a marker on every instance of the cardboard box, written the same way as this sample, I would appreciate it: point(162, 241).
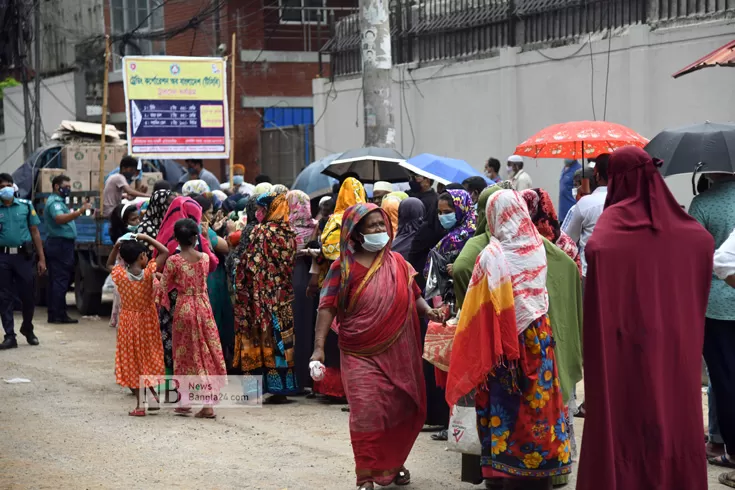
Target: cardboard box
point(120, 152)
point(79, 180)
point(45, 176)
point(110, 162)
point(76, 157)
point(150, 179)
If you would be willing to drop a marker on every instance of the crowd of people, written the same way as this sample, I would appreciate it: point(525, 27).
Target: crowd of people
point(260, 280)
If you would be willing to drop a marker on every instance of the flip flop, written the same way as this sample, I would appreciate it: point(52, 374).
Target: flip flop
point(138, 412)
point(442, 435)
point(721, 461)
point(727, 479)
point(200, 415)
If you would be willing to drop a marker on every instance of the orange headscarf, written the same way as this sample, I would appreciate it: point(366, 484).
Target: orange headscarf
point(390, 206)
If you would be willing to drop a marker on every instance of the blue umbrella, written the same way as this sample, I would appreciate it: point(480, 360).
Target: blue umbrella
point(442, 169)
point(312, 181)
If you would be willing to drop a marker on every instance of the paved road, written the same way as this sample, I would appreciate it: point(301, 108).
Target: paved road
point(69, 428)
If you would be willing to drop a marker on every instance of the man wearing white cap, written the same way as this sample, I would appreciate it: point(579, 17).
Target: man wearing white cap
point(518, 177)
point(380, 190)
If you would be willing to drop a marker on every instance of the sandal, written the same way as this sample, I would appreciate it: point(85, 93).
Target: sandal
point(721, 461)
point(202, 415)
point(182, 411)
point(138, 412)
point(403, 478)
point(727, 479)
point(442, 435)
point(581, 412)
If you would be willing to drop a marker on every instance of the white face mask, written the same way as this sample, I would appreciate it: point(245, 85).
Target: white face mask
point(574, 192)
point(375, 242)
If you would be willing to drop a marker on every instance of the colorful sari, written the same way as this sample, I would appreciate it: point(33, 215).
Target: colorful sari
point(380, 344)
point(352, 192)
point(504, 349)
point(264, 333)
point(543, 215)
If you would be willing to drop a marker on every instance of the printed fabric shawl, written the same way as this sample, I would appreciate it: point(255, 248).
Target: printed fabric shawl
point(352, 192)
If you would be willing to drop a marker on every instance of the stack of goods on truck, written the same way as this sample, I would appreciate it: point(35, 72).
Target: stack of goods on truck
point(80, 155)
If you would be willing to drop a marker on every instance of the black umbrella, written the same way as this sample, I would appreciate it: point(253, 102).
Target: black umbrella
point(371, 164)
point(708, 147)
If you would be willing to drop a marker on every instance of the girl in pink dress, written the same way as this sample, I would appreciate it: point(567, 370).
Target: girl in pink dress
point(196, 346)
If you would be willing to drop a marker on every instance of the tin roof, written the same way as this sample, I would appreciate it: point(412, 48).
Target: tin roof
point(724, 56)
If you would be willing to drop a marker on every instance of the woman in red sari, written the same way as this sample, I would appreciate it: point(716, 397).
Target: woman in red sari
point(372, 294)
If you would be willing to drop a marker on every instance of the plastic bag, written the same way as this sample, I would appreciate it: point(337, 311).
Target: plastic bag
point(462, 435)
point(316, 370)
point(108, 286)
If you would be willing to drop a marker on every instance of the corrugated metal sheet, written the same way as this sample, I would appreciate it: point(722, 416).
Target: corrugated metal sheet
point(278, 117)
point(724, 56)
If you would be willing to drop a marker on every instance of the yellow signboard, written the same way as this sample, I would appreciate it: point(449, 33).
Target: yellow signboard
point(176, 107)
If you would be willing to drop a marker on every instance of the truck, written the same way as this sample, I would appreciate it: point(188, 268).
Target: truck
point(93, 244)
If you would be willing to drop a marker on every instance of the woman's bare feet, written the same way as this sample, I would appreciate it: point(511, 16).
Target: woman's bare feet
point(205, 413)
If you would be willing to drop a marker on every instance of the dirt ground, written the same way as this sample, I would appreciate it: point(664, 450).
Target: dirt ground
point(69, 429)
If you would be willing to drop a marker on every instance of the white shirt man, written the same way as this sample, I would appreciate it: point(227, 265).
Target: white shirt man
point(520, 180)
point(582, 218)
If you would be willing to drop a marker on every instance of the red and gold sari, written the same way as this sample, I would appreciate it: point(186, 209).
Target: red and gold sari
point(380, 345)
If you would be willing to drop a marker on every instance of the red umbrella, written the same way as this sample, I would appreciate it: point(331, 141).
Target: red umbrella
point(579, 139)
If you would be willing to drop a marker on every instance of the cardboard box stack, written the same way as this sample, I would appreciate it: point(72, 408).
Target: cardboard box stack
point(150, 179)
point(45, 176)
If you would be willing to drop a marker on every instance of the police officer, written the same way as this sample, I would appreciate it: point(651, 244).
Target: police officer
point(19, 236)
point(61, 235)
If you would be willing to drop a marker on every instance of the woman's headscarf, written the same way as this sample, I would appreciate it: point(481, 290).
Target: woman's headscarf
point(276, 206)
point(279, 189)
point(300, 217)
point(194, 187)
point(465, 226)
point(352, 192)
point(157, 207)
point(262, 188)
point(410, 218)
point(509, 224)
point(185, 208)
point(221, 196)
point(400, 195)
point(481, 218)
point(390, 205)
point(542, 212)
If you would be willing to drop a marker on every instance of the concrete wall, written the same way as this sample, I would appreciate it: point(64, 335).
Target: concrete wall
point(57, 104)
point(476, 109)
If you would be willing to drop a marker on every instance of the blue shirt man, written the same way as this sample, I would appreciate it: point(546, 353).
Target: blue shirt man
point(195, 171)
point(19, 237)
point(61, 235)
point(566, 184)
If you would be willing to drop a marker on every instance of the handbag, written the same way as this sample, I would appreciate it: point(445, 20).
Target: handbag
point(462, 435)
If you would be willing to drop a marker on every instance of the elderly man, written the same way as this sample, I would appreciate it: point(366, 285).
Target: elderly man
point(380, 190)
point(519, 178)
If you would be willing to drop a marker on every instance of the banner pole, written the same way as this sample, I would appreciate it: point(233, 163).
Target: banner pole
point(105, 94)
point(233, 54)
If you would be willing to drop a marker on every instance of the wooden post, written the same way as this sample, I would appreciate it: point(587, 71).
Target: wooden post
point(233, 54)
point(105, 92)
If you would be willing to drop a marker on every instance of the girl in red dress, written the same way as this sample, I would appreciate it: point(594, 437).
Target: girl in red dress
point(196, 346)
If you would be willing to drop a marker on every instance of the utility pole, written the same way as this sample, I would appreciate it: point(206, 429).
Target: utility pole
point(377, 66)
point(37, 68)
point(217, 38)
point(21, 15)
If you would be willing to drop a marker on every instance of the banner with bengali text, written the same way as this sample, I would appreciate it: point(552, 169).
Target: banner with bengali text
point(176, 107)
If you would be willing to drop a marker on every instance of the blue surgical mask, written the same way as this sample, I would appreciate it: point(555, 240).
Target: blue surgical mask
point(132, 228)
point(238, 179)
point(7, 193)
point(448, 220)
point(375, 242)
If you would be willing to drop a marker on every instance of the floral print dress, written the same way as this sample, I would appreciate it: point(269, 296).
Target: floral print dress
point(195, 340)
point(521, 418)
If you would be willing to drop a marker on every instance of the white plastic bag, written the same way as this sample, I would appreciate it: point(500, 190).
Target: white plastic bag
point(108, 286)
point(316, 369)
point(462, 435)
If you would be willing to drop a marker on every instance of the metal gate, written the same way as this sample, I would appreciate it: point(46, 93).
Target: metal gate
point(285, 151)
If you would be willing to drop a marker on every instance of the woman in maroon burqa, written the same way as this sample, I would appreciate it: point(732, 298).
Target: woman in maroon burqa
point(372, 292)
point(648, 277)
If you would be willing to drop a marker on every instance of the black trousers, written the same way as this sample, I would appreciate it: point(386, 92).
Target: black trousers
point(719, 354)
point(16, 281)
point(60, 262)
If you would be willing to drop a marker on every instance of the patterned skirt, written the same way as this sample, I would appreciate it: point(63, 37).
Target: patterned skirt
point(166, 319)
point(521, 417)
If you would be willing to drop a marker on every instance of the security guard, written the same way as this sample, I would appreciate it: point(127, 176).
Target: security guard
point(18, 237)
point(61, 235)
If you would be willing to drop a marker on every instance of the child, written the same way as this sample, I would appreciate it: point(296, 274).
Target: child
point(196, 346)
point(124, 219)
point(139, 349)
